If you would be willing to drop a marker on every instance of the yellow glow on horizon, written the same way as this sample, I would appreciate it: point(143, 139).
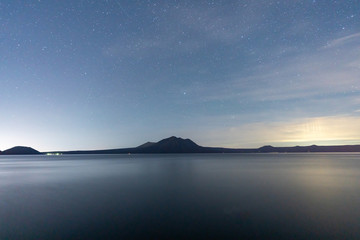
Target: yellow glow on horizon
point(331, 130)
point(323, 129)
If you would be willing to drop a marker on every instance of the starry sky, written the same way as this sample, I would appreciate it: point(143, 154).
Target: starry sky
point(108, 74)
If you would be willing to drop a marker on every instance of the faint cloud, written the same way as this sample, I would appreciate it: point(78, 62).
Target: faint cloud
point(343, 40)
point(319, 73)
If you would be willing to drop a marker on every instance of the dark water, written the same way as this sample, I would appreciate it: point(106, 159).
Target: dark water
point(228, 196)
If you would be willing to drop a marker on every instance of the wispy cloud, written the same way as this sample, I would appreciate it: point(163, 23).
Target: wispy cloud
point(318, 73)
point(343, 40)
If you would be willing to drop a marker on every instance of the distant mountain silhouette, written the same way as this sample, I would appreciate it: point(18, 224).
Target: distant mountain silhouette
point(180, 145)
point(173, 145)
point(20, 150)
point(168, 145)
point(267, 148)
point(312, 148)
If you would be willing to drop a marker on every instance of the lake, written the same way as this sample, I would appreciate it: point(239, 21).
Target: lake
point(180, 196)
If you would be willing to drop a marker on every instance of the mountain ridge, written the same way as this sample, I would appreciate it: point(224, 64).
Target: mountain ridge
point(179, 145)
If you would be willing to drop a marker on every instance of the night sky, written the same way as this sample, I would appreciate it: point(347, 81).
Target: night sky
point(109, 74)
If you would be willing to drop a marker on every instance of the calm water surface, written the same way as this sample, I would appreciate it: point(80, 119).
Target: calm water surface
point(201, 196)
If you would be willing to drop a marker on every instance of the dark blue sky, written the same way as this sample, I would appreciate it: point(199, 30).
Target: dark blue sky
point(105, 74)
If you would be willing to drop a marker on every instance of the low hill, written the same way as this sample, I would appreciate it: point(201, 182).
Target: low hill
point(20, 150)
point(172, 145)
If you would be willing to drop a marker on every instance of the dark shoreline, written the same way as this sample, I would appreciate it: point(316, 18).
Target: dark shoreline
point(180, 145)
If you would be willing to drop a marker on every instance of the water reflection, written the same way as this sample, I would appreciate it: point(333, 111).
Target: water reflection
point(257, 196)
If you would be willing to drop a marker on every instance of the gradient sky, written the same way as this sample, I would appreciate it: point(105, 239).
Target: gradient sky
point(109, 74)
